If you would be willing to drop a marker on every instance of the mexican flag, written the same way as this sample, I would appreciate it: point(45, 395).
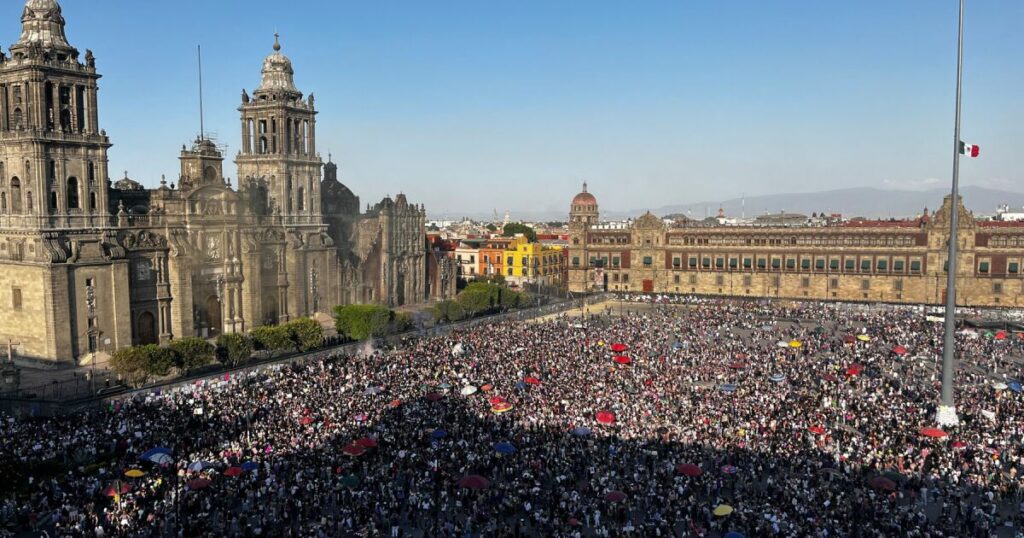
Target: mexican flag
point(970, 150)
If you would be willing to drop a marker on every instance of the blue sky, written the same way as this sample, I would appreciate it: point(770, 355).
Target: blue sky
point(470, 106)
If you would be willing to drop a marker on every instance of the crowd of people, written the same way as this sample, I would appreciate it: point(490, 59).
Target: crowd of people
point(703, 419)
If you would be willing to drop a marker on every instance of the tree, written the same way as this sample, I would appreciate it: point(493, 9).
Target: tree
point(514, 228)
point(192, 352)
point(306, 333)
point(475, 299)
point(159, 360)
point(272, 338)
point(492, 227)
point(449, 311)
point(361, 321)
point(131, 364)
point(233, 349)
point(400, 322)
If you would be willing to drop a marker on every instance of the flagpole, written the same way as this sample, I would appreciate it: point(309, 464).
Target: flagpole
point(946, 415)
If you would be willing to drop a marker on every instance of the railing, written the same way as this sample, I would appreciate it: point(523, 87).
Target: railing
point(64, 396)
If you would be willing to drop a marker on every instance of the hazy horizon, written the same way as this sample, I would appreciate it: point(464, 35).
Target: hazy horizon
point(470, 107)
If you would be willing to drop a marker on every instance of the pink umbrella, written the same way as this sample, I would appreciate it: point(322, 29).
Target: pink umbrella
point(615, 496)
point(933, 432)
point(688, 469)
point(606, 417)
point(474, 481)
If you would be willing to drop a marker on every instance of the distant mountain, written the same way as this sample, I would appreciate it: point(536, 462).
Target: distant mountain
point(866, 202)
point(855, 202)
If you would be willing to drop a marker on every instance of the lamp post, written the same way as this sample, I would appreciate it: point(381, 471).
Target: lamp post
point(946, 415)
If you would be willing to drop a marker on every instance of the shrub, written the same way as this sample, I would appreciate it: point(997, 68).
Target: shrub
point(192, 352)
point(158, 360)
point(130, 363)
point(233, 349)
point(401, 322)
point(449, 311)
point(306, 334)
point(361, 321)
point(273, 338)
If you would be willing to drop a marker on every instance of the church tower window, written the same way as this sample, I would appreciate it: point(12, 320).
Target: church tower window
point(73, 197)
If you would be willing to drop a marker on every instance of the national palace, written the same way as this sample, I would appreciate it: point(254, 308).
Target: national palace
point(878, 261)
point(87, 264)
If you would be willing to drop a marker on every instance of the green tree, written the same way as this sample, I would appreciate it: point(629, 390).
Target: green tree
point(401, 322)
point(514, 228)
point(448, 311)
point(233, 349)
point(192, 352)
point(159, 360)
point(306, 333)
point(361, 321)
point(492, 227)
point(131, 364)
point(272, 338)
point(475, 299)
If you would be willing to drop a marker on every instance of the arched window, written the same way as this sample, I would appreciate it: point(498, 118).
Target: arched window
point(302, 199)
point(53, 170)
point(92, 173)
point(73, 196)
point(263, 145)
point(92, 201)
point(3, 202)
point(30, 207)
point(17, 119)
point(15, 195)
point(53, 200)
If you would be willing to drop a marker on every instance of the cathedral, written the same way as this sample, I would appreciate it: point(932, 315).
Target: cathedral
point(90, 265)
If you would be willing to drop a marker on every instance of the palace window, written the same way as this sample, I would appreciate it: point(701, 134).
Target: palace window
point(833, 283)
point(692, 262)
point(720, 263)
point(983, 267)
point(706, 262)
point(719, 280)
point(615, 261)
point(805, 264)
point(833, 264)
point(1013, 267)
point(625, 277)
point(851, 264)
point(819, 264)
point(865, 265)
point(865, 284)
point(762, 263)
point(790, 263)
point(915, 266)
point(575, 261)
point(693, 280)
point(897, 285)
point(733, 263)
point(16, 298)
point(676, 262)
point(676, 279)
point(648, 261)
point(776, 263)
point(805, 282)
point(997, 288)
point(897, 265)
point(747, 263)
point(748, 281)
point(882, 265)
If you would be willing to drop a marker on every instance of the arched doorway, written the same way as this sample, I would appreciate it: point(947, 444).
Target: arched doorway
point(270, 309)
point(400, 288)
point(213, 321)
point(146, 329)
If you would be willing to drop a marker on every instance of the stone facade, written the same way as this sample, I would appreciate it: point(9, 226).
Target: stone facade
point(877, 261)
point(89, 265)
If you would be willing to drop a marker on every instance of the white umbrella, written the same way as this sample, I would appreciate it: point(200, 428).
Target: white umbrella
point(468, 390)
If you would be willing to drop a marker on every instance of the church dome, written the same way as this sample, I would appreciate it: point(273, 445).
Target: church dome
point(584, 198)
point(42, 24)
point(277, 72)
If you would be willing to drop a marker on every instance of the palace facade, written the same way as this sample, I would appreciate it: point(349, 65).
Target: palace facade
point(88, 265)
point(877, 261)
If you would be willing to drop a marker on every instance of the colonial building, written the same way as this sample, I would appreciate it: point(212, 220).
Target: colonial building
point(877, 261)
point(87, 265)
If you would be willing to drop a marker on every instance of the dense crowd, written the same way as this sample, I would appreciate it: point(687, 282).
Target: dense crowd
point(667, 420)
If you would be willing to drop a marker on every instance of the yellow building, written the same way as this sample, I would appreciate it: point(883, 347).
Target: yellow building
point(533, 263)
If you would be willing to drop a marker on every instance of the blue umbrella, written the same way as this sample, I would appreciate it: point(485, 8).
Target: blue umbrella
point(439, 433)
point(677, 345)
point(734, 534)
point(148, 455)
point(581, 431)
point(197, 466)
point(1015, 386)
point(777, 378)
point(444, 386)
point(161, 459)
point(505, 448)
point(521, 385)
point(250, 466)
point(728, 388)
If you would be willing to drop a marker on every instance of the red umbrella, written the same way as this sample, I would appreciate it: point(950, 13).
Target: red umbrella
point(501, 407)
point(688, 469)
point(854, 369)
point(619, 348)
point(306, 421)
point(622, 359)
point(355, 450)
point(396, 403)
point(959, 444)
point(933, 432)
point(198, 483)
point(606, 417)
point(850, 339)
point(741, 356)
point(574, 522)
point(883, 483)
point(615, 496)
point(366, 442)
point(530, 380)
point(233, 471)
point(487, 388)
point(900, 350)
point(737, 366)
point(120, 489)
point(830, 377)
point(433, 396)
point(817, 430)
point(495, 400)
point(474, 481)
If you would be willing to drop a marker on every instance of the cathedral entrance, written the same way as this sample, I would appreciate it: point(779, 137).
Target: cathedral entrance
point(213, 317)
point(400, 288)
point(270, 315)
point(146, 327)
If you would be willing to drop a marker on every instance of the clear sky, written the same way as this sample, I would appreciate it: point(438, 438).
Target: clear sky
point(469, 106)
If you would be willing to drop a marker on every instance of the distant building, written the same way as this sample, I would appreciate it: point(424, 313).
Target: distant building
point(901, 261)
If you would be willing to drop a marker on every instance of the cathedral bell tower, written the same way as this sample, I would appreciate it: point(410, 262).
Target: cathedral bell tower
point(279, 143)
point(53, 156)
